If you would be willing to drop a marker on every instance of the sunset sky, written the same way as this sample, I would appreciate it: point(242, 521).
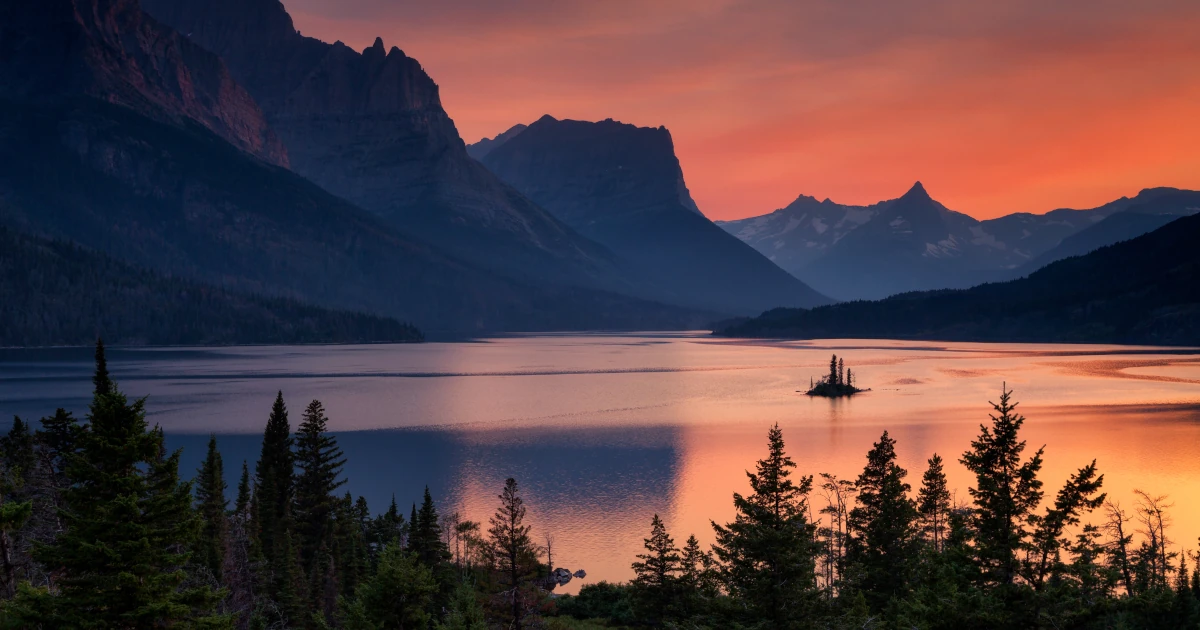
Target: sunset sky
point(997, 107)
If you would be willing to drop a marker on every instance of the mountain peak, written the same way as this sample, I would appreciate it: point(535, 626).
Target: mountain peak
point(917, 191)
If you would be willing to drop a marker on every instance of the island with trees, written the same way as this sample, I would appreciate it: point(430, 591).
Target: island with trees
point(838, 383)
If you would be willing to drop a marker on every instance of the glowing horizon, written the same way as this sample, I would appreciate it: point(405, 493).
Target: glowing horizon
point(996, 109)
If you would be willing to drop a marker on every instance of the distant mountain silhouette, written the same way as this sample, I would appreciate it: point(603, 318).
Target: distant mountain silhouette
point(369, 127)
point(57, 293)
point(179, 186)
point(915, 243)
point(1144, 290)
point(622, 186)
point(480, 149)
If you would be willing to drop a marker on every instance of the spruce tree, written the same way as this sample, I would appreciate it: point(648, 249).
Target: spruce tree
point(513, 550)
point(841, 372)
point(881, 549)
point(241, 506)
point(318, 461)
point(17, 449)
point(657, 572)
point(767, 554)
point(933, 504)
point(128, 524)
point(212, 506)
point(59, 436)
point(833, 377)
point(399, 595)
point(1005, 493)
point(273, 488)
point(425, 535)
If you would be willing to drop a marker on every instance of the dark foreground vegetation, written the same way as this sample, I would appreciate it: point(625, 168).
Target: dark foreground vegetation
point(58, 293)
point(838, 383)
point(1143, 290)
point(98, 530)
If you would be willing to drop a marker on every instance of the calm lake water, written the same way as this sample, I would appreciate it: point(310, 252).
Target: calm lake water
point(602, 431)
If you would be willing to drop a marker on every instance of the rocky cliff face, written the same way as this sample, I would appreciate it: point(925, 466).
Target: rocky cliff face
point(370, 128)
point(622, 186)
point(55, 49)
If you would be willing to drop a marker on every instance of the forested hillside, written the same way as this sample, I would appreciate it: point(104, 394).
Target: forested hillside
point(57, 293)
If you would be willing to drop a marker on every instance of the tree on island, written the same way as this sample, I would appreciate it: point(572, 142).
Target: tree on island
point(839, 382)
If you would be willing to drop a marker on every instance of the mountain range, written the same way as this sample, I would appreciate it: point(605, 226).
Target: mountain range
point(914, 243)
point(622, 186)
point(1140, 291)
point(144, 149)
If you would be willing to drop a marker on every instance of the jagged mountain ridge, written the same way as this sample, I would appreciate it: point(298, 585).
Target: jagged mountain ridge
point(1141, 291)
point(150, 183)
point(479, 150)
point(622, 186)
point(113, 52)
point(870, 252)
point(370, 128)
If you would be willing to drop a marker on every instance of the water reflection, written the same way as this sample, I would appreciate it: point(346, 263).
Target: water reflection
point(604, 431)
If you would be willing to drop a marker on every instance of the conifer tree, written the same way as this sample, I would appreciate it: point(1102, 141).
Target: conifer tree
point(882, 546)
point(399, 595)
point(841, 372)
point(465, 612)
point(1006, 491)
point(833, 377)
point(17, 449)
point(513, 550)
point(273, 488)
point(933, 503)
point(767, 554)
point(425, 534)
point(242, 504)
point(657, 572)
point(59, 435)
point(212, 505)
point(129, 522)
point(319, 464)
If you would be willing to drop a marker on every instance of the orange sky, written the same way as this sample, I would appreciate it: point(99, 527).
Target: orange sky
point(1021, 106)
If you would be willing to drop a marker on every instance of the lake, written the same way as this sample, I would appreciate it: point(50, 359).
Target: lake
point(602, 431)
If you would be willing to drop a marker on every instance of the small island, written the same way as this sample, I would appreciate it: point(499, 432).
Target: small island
point(839, 382)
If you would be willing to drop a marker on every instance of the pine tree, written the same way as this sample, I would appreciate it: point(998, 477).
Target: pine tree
point(273, 488)
point(129, 521)
point(833, 377)
point(657, 572)
point(59, 435)
point(933, 503)
point(513, 549)
point(767, 553)
point(1006, 491)
point(425, 535)
point(398, 596)
point(319, 464)
point(882, 547)
point(212, 505)
point(350, 546)
point(17, 449)
point(242, 504)
point(841, 372)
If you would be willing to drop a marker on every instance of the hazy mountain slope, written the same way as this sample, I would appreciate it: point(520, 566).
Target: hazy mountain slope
point(1145, 213)
point(370, 128)
point(480, 149)
point(1145, 290)
point(801, 232)
point(156, 185)
point(113, 52)
point(57, 293)
point(622, 186)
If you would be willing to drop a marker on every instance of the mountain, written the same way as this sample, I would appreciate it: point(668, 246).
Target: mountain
point(111, 52)
point(57, 293)
point(1143, 291)
point(1145, 213)
point(155, 185)
point(914, 243)
point(622, 186)
point(801, 232)
point(480, 149)
point(370, 127)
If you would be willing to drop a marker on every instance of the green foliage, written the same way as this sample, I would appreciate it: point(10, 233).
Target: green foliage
point(128, 523)
point(656, 573)
point(767, 554)
point(602, 600)
point(933, 503)
point(514, 554)
point(212, 506)
point(425, 534)
point(882, 547)
point(465, 612)
point(398, 596)
point(60, 293)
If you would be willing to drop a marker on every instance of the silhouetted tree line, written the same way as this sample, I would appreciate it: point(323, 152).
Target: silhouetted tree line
point(839, 382)
point(98, 530)
point(58, 293)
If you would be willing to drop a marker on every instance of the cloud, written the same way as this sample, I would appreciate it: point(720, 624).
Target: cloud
point(999, 107)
